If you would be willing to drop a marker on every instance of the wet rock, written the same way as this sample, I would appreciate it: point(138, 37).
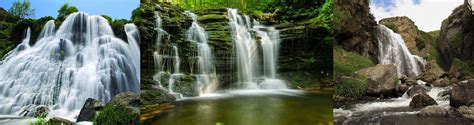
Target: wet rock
point(59, 121)
point(129, 99)
point(433, 111)
point(155, 96)
point(417, 89)
point(37, 112)
point(446, 93)
point(401, 89)
point(382, 79)
point(443, 82)
point(467, 112)
point(411, 82)
point(88, 111)
point(422, 100)
point(432, 72)
point(462, 94)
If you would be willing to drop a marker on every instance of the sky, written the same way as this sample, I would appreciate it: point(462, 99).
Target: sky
point(117, 9)
point(427, 14)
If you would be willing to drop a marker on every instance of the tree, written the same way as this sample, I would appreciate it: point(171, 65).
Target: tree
point(22, 9)
point(65, 10)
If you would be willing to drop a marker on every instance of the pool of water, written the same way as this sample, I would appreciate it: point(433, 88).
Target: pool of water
point(276, 107)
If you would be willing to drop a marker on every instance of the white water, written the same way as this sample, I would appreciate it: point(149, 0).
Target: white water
point(251, 73)
point(165, 60)
point(392, 50)
point(206, 79)
point(82, 59)
point(382, 105)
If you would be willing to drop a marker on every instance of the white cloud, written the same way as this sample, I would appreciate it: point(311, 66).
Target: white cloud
point(427, 15)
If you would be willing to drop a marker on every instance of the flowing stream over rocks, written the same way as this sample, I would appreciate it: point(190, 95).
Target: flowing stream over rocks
point(79, 60)
point(392, 50)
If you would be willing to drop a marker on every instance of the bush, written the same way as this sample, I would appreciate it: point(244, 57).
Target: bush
point(116, 114)
point(352, 87)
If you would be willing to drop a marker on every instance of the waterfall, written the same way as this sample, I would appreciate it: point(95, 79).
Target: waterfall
point(206, 79)
point(392, 50)
point(82, 59)
point(166, 59)
point(248, 52)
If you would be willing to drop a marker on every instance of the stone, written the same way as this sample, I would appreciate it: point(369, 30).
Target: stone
point(443, 82)
point(382, 79)
point(432, 72)
point(88, 111)
point(41, 112)
point(417, 89)
point(59, 121)
point(422, 100)
point(467, 112)
point(129, 99)
point(462, 94)
point(433, 111)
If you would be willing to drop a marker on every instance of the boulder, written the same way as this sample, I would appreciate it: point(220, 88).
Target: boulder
point(422, 100)
point(432, 72)
point(401, 89)
point(443, 82)
point(59, 121)
point(382, 79)
point(467, 112)
point(417, 89)
point(129, 99)
point(433, 111)
point(462, 94)
point(88, 111)
point(155, 96)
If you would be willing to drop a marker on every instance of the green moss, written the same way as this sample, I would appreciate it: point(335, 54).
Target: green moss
point(351, 87)
point(116, 114)
point(212, 18)
point(346, 63)
point(463, 67)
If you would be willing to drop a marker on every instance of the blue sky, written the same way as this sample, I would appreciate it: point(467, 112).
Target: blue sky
point(427, 14)
point(117, 9)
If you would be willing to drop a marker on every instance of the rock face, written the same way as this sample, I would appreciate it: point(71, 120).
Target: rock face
point(462, 94)
point(433, 111)
point(456, 38)
point(432, 72)
point(443, 82)
point(88, 111)
point(422, 100)
point(382, 79)
point(356, 26)
point(416, 42)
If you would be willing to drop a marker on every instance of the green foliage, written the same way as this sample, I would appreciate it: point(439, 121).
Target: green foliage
point(108, 18)
point(65, 10)
point(40, 121)
point(351, 87)
point(463, 67)
point(136, 15)
point(116, 114)
point(22, 9)
point(346, 63)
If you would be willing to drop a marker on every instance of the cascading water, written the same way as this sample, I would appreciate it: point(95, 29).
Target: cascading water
point(392, 50)
point(207, 78)
point(165, 59)
point(247, 52)
point(81, 60)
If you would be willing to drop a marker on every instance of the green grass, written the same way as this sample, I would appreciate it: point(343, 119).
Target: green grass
point(346, 63)
point(116, 114)
point(352, 87)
